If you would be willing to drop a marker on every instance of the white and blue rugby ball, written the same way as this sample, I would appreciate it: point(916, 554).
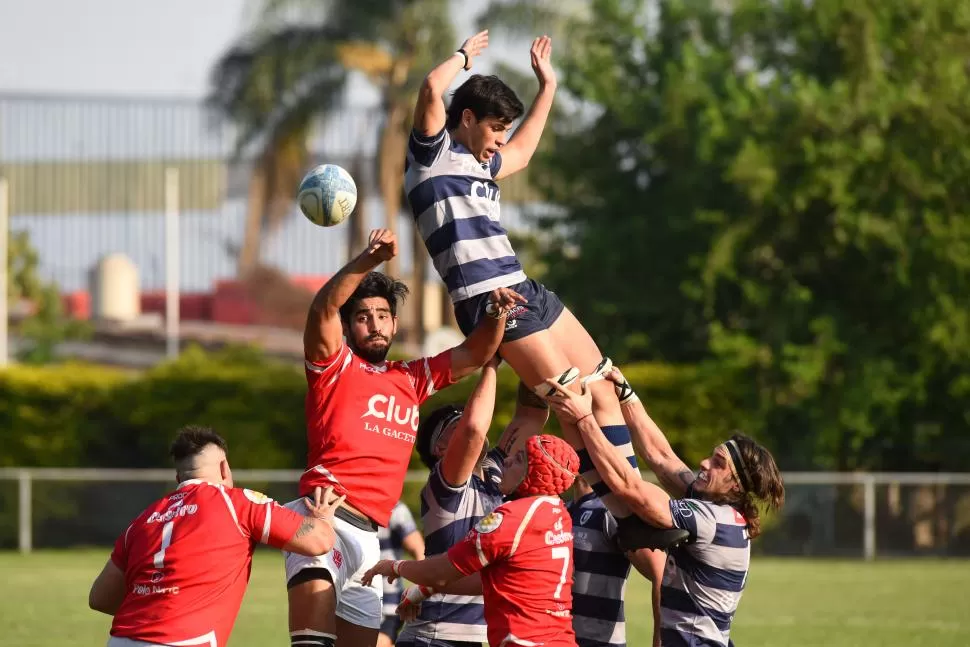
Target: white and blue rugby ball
point(328, 195)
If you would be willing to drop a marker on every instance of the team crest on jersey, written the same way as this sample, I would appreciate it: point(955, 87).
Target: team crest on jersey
point(489, 523)
point(256, 497)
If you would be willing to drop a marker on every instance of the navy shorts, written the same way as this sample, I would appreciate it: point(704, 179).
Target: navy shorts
point(540, 311)
point(391, 626)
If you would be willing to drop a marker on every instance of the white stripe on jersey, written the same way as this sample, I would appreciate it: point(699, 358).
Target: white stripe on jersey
point(232, 510)
point(528, 517)
point(267, 523)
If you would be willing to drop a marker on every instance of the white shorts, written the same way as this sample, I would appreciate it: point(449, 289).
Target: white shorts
point(354, 553)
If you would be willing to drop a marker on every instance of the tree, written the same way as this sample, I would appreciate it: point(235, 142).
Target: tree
point(778, 193)
point(277, 80)
point(44, 324)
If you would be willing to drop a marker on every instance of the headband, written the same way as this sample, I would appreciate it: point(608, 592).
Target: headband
point(736, 463)
point(441, 426)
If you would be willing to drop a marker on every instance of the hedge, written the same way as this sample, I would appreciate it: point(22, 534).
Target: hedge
point(73, 415)
point(81, 415)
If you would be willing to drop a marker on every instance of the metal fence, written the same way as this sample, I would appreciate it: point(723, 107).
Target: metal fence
point(87, 177)
point(827, 514)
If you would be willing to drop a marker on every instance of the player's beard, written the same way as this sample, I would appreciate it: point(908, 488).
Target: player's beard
point(372, 349)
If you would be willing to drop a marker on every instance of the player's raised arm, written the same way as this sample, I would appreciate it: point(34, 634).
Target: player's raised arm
point(517, 154)
point(429, 112)
point(647, 501)
point(649, 440)
point(483, 342)
point(323, 333)
point(466, 442)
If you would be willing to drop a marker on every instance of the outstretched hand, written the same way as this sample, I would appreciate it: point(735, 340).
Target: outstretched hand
point(382, 245)
point(541, 58)
point(567, 404)
point(474, 46)
point(384, 568)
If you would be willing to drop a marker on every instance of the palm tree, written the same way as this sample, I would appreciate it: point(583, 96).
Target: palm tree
point(292, 69)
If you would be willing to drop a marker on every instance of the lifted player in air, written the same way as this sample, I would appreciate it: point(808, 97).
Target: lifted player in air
point(455, 155)
point(362, 417)
point(719, 507)
point(523, 550)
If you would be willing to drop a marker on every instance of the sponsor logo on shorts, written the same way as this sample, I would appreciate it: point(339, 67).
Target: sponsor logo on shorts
point(583, 518)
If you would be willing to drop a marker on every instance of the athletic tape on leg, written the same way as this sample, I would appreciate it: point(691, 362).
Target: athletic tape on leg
point(568, 376)
point(311, 638)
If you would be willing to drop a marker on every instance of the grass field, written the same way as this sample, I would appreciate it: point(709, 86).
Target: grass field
point(787, 602)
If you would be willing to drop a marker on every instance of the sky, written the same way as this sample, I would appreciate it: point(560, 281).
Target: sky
point(123, 47)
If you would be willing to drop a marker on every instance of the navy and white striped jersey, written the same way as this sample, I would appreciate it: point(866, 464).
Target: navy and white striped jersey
point(601, 571)
point(392, 547)
point(455, 202)
point(448, 514)
point(704, 578)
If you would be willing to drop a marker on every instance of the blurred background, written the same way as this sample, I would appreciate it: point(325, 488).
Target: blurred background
point(760, 210)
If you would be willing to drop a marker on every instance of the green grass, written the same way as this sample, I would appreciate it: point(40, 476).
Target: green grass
point(787, 602)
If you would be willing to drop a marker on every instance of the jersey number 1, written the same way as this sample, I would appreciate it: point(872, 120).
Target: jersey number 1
point(561, 552)
point(166, 542)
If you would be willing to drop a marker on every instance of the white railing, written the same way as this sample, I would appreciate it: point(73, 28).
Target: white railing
point(25, 478)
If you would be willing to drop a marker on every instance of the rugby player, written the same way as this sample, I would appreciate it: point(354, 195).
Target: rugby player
point(719, 507)
point(177, 575)
point(464, 485)
point(522, 549)
point(400, 535)
point(455, 156)
point(362, 416)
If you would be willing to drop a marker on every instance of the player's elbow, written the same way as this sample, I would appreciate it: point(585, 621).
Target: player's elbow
point(99, 602)
point(431, 89)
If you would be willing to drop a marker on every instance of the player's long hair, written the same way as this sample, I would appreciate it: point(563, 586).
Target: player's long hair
point(486, 96)
point(375, 284)
point(767, 489)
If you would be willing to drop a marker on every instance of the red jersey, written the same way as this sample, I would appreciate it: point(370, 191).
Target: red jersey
point(361, 424)
point(524, 550)
point(187, 560)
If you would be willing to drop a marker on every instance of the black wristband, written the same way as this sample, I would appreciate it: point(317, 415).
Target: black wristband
point(461, 50)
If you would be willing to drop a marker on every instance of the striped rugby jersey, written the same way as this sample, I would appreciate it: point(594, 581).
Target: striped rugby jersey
point(704, 578)
point(448, 515)
point(455, 203)
point(392, 547)
point(600, 575)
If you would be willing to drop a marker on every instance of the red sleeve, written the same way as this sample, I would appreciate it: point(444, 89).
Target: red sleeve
point(120, 553)
point(262, 519)
point(326, 372)
point(430, 374)
point(488, 542)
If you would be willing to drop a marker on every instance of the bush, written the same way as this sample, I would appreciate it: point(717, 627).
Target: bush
point(78, 415)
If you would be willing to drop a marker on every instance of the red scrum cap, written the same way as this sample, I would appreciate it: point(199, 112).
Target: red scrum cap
point(552, 467)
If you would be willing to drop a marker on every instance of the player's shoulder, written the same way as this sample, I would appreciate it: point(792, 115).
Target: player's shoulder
point(691, 506)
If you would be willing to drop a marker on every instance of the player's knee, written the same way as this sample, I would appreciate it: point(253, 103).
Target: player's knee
point(309, 638)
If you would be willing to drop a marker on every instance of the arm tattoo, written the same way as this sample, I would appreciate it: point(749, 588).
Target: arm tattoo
point(677, 483)
point(305, 528)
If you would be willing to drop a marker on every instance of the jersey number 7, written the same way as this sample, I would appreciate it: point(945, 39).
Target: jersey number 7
point(561, 552)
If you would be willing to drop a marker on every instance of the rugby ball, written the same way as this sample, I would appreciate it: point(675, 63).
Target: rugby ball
point(327, 195)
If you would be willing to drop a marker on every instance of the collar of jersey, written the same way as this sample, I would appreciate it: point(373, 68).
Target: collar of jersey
point(193, 482)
